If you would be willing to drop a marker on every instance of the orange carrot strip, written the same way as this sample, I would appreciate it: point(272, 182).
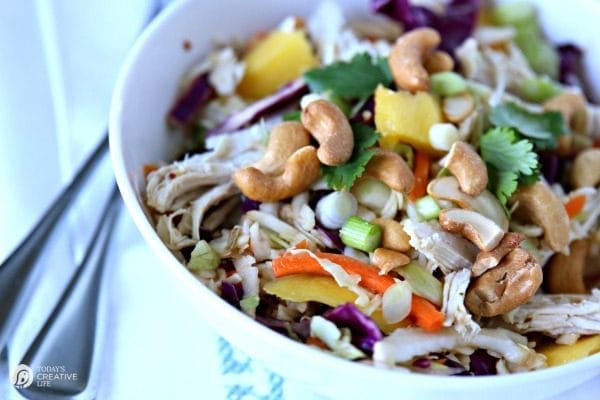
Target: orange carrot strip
point(421, 175)
point(370, 278)
point(302, 245)
point(147, 168)
point(575, 205)
point(425, 314)
point(302, 263)
point(311, 340)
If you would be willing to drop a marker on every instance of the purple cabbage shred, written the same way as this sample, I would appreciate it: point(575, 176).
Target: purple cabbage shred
point(231, 294)
point(455, 24)
point(364, 331)
point(301, 329)
point(284, 96)
point(550, 166)
point(190, 103)
point(482, 363)
point(249, 204)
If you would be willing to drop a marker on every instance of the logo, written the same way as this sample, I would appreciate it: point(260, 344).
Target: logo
point(22, 377)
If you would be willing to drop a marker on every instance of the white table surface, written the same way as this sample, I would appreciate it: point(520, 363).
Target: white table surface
point(59, 63)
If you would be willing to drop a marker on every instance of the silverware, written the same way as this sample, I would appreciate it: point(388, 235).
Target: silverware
point(17, 271)
point(68, 338)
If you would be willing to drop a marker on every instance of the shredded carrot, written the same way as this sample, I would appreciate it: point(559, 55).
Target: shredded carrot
point(311, 340)
point(421, 175)
point(302, 245)
point(575, 205)
point(425, 314)
point(302, 263)
point(147, 168)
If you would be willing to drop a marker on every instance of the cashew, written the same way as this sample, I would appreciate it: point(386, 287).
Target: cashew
point(300, 171)
point(489, 259)
point(330, 127)
point(586, 169)
point(482, 231)
point(438, 61)
point(572, 106)
point(446, 188)
point(537, 203)
point(513, 282)
point(457, 108)
point(564, 274)
point(386, 260)
point(407, 56)
point(390, 168)
point(284, 140)
point(468, 168)
point(393, 236)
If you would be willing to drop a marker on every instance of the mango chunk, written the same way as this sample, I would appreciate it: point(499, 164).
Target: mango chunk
point(325, 290)
point(277, 59)
point(558, 354)
point(301, 288)
point(402, 117)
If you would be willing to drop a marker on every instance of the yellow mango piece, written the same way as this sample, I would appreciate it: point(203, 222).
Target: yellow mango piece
point(386, 327)
point(275, 60)
point(325, 290)
point(321, 289)
point(403, 117)
point(558, 354)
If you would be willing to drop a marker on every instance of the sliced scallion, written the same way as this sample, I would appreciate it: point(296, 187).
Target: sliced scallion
point(427, 208)
point(422, 282)
point(360, 234)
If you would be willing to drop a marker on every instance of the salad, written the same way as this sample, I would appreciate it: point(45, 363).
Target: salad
point(416, 189)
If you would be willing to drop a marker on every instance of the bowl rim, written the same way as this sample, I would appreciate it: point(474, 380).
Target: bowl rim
point(237, 319)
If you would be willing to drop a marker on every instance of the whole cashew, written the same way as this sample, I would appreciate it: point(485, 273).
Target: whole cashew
point(407, 57)
point(489, 259)
point(438, 61)
point(572, 106)
point(586, 169)
point(330, 127)
point(284, 140)
point(390, 168)
point(505, 287)
point(564, 274)
point(468, 168)
point(300, 171)
point(386, 259)
point(539, 204)
point(393, 236)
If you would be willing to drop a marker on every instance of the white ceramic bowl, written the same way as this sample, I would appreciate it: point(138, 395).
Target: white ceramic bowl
point(138, 136)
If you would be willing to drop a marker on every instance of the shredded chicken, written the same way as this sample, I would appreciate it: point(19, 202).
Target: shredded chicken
point(404, 344)
point(212, 197)
point(448, 251)
point(457, 316)
point(563, 317)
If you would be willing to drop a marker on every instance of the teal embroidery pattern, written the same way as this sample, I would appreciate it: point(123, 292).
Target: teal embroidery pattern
point(249, 381)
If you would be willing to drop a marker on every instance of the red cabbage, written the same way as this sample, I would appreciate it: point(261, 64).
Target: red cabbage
point(550, 166)
point(364, 331)
point(366, 113)
point(481, 363)
point(284, 96)
point(455, 24)
point(190, 103)
point(571, 69)
point(232, 294)
point(301, 329)
point(333, 236)
point(248, 204)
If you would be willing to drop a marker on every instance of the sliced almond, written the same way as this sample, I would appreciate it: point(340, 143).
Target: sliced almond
point(457, 108)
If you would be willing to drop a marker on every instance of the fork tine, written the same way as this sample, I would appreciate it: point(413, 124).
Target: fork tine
point(68, 336)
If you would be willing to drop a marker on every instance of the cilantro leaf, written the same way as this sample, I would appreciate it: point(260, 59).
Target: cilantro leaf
point(509, 161)
point(502, 183)
point(292, 116)
point(342, 177)
point(357, 78)
point(500, 149)
point(541, 129)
